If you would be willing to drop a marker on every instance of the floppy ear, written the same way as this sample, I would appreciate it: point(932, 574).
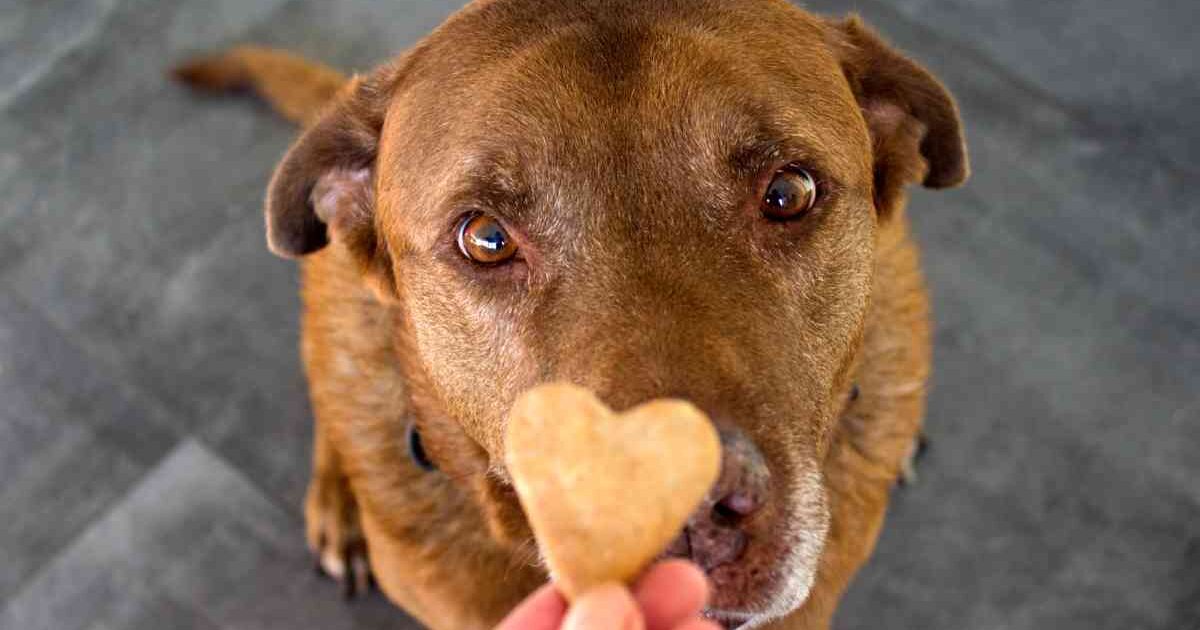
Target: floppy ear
point(913, 120)
point(324, 187)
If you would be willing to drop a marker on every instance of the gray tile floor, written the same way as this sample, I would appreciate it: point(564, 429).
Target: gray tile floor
point(154, 433)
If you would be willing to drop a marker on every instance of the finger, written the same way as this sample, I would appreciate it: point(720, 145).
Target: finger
point(670, 593)
point(544, 610)
point(609, 607)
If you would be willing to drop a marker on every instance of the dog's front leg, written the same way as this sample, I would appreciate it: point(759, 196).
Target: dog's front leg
point(332, 520)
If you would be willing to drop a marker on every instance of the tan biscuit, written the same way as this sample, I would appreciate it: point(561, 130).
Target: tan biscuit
point(605, 492)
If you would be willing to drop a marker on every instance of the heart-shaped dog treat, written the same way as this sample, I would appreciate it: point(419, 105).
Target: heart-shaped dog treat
point(606, 493)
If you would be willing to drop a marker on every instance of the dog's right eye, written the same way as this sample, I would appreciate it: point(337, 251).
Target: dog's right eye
point(482, 239)
point(791, 193)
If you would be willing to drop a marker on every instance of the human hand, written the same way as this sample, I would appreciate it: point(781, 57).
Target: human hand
point(669, 596)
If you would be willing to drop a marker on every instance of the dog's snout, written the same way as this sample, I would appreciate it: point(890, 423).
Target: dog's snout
point(736, 505)
point(716, 532)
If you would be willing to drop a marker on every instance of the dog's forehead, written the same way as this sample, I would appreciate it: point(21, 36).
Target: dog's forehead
point(647, 100)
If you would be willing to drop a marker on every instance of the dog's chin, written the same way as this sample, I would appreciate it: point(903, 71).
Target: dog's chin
point(739, 600)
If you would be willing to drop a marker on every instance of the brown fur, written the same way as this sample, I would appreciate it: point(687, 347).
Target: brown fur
point(621, 140)
point(296, 87)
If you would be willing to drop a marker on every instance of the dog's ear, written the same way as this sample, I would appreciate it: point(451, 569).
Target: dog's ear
point(914, 123)
point(324, 187)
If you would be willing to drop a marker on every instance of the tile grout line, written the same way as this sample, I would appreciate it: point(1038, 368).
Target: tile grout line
point(147, 477)
point(170, 421)
point(159, 408)
point(31, 79)
point(170, 415)
point(114, 504)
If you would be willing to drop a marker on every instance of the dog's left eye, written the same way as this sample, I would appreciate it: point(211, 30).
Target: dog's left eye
point(482, 239)
point(790, 195)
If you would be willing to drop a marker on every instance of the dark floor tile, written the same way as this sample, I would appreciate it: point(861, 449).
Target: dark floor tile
point(108, 139)
point(73, 439)
point(1081, 287)
point(159, 265)
point(268, 434)
point(1014, 512)
point(63, 479)
point(1063, 407)
point(194, 545)
point(1127, 68)
point(380, 29)
point(35, 35)
point(1050, 176)
point(161, 268)
point(137, 607)
point(53, 374)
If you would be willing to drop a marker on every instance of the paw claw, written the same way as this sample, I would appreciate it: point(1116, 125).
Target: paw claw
point(361, 571)
point(333, 565)
point(908, 470)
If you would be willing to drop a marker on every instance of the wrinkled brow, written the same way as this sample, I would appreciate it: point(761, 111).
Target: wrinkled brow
point(499, 180)
point(493, 181)
point(768, 144)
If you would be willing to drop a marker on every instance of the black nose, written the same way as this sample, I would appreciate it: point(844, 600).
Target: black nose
point(715, 534)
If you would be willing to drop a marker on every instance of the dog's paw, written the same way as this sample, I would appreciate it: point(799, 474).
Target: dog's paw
point(908, 471)
point(335, 534)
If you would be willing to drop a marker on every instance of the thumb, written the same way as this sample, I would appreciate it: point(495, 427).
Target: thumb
point(609, 607)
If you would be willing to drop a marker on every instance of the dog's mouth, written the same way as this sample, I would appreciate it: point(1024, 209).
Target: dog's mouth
point(746, 571)
point(757, 536)
point(760, 565)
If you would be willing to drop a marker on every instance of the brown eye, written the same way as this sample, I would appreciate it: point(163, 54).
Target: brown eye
point(791, 193)
point(482, 239)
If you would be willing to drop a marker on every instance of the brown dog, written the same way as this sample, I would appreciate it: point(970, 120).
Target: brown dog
point(690, 198)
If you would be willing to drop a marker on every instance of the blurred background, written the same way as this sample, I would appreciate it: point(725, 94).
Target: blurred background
point(154, 428)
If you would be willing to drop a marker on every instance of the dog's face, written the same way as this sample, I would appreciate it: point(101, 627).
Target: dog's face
point(647, 199)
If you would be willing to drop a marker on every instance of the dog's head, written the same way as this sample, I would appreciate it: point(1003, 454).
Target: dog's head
point(647, 198)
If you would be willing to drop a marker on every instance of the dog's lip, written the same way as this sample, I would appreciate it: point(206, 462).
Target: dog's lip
point(728, 619)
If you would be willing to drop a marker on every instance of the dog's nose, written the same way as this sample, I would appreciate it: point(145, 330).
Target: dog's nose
point(716, 532)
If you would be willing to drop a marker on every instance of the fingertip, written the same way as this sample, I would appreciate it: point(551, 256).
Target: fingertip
point(671, 592)
point(687, 574)
point(543, 610)
point(608, 606)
